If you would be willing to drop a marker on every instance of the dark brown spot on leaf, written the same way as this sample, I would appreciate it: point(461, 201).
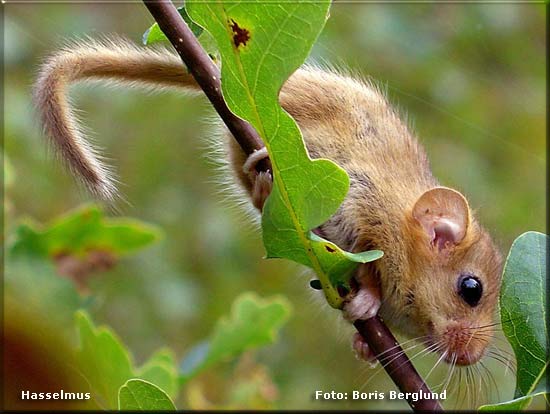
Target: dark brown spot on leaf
point(240, 35)
point(330, 249)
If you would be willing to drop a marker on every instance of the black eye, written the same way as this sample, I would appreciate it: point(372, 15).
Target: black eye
point(470, 289)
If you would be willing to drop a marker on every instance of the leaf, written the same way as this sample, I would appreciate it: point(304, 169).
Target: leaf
point(82, 231)
point(523, 308)
point(153, 34)
point(103, 360)
point(523, 315)
point(106, 364)
point(161, 370)
point(517, 404)
point(141, 395)
point(261, 44)
point(253, 322)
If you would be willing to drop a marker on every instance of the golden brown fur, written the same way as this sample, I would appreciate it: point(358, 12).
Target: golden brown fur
point(112, 61)
point(351, 123)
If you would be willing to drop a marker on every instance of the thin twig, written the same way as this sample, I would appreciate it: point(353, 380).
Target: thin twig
point(207, 75)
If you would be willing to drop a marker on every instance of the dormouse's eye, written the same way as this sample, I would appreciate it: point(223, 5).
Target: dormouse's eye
point(470, 289)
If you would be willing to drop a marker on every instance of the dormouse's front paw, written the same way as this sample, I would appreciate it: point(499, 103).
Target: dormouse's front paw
point(363, 305)
point(262, 181)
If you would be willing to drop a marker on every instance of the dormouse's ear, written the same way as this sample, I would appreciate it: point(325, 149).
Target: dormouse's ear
point(444, 215)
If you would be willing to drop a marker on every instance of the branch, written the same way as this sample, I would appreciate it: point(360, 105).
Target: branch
point(395, 362)
point(207, 75)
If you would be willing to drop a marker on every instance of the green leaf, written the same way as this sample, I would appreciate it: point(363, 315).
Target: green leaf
point(161, 370)
point(523, 316)
point(253, 322)
point(154, 34)
point(517, 404)
point(523, 308)
point(106, 364)
point(261, 44)
point(141, 395)
point(103, 360)
point(337, 263)
point(81, 231)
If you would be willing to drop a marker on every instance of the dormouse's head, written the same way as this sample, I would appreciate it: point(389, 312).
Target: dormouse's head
point(454, 277)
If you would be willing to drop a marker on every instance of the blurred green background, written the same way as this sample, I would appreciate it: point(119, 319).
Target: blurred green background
point(471, 79)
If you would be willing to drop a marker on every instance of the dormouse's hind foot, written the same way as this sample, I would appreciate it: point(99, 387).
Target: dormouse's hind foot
point(262, 181)
point(363, 351)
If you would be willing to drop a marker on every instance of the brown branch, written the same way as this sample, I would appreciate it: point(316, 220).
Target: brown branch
point(395, 362)
point(207, 75)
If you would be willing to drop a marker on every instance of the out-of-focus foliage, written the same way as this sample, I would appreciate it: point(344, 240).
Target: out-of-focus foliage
point(102, 360)
point(470, 76)
point(106, 364)
point(41, 261)
point(253, 322)
point(82, 231)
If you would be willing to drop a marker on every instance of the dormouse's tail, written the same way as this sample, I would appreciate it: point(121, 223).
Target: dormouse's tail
point(114, 61)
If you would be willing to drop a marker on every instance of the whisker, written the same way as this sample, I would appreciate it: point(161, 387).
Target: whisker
point(469, 386)
point(503, 352)
point(481, 370)
point(502, 355)
point(389, 360)
point(460, 388)
point(423, 352)
point(448, 379)
point(492, 380)
point(384, 363)
point(402, 344)
point(443, 355)
point(507, 366)
point(499, 323)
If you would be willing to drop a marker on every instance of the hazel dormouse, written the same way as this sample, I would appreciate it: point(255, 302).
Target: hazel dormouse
point(440, 274)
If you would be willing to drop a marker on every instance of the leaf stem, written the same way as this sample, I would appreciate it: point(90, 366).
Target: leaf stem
point(207, 75)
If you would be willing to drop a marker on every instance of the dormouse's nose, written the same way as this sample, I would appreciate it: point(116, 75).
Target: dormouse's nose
point(463, 344)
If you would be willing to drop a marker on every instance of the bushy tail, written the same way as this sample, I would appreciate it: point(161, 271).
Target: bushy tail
point(115, 61)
